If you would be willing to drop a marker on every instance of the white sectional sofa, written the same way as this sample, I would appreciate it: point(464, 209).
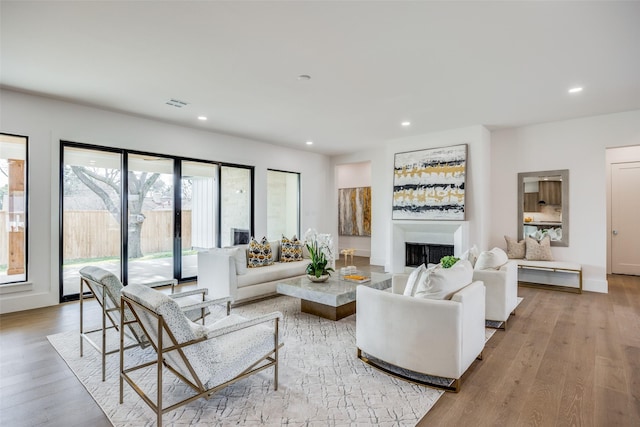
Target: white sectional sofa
point(224, 272)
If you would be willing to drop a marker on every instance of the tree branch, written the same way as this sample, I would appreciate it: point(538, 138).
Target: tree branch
point(83, 176)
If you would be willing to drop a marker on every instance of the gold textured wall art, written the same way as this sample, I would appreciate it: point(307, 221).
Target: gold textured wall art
point(354, 211)
point(430, 184)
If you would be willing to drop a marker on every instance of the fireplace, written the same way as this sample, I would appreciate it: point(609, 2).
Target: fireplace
point(453, 234)
point(425, 253)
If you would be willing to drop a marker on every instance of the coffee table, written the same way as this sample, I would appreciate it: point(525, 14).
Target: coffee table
point(333, 299)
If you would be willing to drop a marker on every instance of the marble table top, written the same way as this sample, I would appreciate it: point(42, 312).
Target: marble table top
point(334, 292)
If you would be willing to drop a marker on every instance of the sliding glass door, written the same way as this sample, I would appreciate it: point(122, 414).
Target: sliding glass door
point(150, 218)
point(145, 216)
point(199, 217)
point(91, 214)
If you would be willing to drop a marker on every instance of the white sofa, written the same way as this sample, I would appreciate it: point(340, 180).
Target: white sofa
point(435, 337)
point(219, 271)
point(501, 292)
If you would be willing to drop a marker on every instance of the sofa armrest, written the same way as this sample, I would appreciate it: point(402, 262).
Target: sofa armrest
point(502, 290)
point(472, 299)
point(402, 330)
point(217, 273)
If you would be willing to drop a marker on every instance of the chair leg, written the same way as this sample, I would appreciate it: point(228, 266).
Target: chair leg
point(104, 336)
point(275, 366)
point(81, 314)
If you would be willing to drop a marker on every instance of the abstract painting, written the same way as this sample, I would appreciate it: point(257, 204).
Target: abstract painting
point(354, 211)
point(430, 184)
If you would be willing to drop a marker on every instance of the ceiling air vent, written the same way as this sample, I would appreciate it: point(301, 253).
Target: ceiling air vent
point(177, 103)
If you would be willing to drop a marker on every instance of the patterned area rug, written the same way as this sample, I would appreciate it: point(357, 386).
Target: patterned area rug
point(321, 382)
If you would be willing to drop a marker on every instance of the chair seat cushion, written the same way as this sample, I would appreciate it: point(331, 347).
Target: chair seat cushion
point(238, 350)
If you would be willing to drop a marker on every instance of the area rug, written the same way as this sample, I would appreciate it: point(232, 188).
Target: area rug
point(321, 382)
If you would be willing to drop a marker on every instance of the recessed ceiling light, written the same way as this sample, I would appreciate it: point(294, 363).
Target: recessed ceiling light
point(406, 123)
point(304, 77)
point(203, 118)
point(309, 142)
point(575, 90)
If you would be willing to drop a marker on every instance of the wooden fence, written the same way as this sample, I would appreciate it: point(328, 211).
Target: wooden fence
point(96, 234)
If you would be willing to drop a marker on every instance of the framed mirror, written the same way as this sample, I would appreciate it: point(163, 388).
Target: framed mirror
point(543, 205)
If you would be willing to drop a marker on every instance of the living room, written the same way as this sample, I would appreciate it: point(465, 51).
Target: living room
point(584, 144)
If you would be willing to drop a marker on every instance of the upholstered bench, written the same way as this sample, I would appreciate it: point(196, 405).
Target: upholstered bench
point(558, 275)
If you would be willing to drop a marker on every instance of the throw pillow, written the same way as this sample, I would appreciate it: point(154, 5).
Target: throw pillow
point(442, 283)
point(413, 280)
point(290, 250)
point(493, 259)
point(259, 253)
point(471, 255)
point(538, 250)
point(275, 250)
point(515, 249)
point(239, 255)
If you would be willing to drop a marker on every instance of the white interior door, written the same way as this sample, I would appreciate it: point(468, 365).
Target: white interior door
point(625, 207)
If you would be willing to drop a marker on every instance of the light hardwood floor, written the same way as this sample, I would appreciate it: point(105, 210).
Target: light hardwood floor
point(565, 359)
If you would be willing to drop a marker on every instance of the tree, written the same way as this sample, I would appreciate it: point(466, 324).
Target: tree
point(105, 183)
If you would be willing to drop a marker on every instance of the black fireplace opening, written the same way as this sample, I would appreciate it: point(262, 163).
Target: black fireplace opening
point(417, 254)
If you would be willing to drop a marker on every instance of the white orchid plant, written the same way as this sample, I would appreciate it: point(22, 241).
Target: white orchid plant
point(320, 248)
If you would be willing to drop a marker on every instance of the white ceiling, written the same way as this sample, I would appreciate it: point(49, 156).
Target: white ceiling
point(372, 64)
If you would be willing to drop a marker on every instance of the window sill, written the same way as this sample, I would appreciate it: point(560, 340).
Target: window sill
point(10, 288)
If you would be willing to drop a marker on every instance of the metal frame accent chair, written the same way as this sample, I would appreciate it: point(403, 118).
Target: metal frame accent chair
point(106, 288)
point(204, 358)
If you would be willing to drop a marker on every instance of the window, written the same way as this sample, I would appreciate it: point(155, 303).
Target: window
point(13, 208)
point(144, 216)
point(199, 205)
point(236, 202)
point(150, 216)
point(91, 214)
point(283, 204)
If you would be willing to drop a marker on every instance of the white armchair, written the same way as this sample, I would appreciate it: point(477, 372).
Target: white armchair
point(502, 291)
point(439, 338)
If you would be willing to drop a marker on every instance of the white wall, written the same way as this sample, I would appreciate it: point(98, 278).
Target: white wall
point(580, 146)
point(495, 159)
point(47, 121)
point(354, 175)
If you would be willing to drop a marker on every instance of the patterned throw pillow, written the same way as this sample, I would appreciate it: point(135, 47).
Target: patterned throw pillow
point(515, 249)
point(539, 251)
point(290, 250)
point(259, 254)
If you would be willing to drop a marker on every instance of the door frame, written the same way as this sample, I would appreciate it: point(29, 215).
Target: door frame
point(615, 155)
